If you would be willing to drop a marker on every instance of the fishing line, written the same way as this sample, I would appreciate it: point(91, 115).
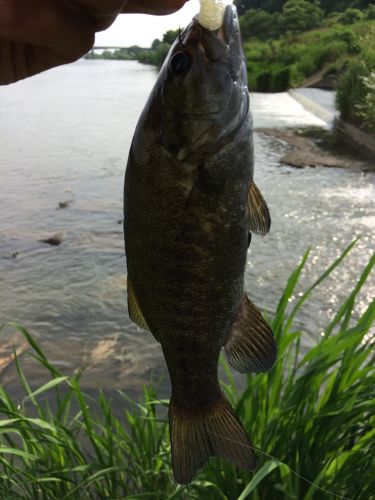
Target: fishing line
point(274, 458)
point(237, 442)
point(282, 463)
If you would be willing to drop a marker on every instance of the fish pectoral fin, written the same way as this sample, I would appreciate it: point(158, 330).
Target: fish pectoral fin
point(197, 434)
point(251, 347)
point(258, 215)
point(135, 313)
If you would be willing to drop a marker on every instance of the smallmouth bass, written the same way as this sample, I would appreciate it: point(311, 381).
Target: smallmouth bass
point(190, 206)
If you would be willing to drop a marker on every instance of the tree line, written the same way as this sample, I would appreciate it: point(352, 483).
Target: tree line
point(327, 6)
point(271, 19)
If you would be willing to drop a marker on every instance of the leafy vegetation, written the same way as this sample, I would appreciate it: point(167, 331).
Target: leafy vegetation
point(343, 55)
point(277, 5)
point(356, 86)
point(312, 416)
point(288, 42)
point(329, 50)
point(159, 49)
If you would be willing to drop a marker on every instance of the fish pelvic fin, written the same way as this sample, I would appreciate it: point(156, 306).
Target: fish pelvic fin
point(258, 215)
point(135, 313)
point(251, 346)
point(211, 431)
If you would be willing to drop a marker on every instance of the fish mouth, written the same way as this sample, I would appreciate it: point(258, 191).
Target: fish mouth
point(216, 43)
point(230, 23)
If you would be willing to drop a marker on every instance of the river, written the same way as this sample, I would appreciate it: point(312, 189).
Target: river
point(64, 137)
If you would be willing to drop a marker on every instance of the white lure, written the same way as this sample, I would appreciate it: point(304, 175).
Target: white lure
point(211, 13)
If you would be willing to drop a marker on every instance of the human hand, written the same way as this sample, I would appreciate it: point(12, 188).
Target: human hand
point(38, 35)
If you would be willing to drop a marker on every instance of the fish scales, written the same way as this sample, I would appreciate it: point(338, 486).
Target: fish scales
point(189, 203)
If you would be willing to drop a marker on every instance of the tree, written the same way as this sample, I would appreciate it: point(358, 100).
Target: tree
point(170, 36)
point(301, 15)
point(260, 24)
point(267, 5)
point(370, 12)
point(341, 5)
point(156, 44)
point(350, 16)
point(276, 5)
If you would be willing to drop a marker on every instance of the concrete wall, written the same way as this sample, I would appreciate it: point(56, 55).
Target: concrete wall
point(363, 142)
point(359, 139)
point(313, 107)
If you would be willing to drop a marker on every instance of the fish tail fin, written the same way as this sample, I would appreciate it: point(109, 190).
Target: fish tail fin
point(213, 430)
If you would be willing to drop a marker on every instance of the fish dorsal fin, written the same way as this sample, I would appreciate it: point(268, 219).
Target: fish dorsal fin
point(135, 312)
point(251, 347)
point(259, 219)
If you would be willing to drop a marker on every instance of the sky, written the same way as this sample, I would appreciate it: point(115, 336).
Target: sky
point(138, 29)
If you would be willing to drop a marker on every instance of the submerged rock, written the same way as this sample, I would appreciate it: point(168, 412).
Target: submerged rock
point(54, 240)
point(64, 204)
point(304, 152)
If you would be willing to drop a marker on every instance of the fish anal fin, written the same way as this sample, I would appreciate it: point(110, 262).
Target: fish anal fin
point(135, 313)
point(214, 430)
point(251, 346)
point(258, 215)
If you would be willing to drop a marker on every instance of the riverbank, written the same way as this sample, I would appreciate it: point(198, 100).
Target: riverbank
point(58, 442)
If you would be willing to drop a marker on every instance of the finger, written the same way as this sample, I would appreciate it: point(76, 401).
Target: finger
point(99, 8)
point(20, 60)
point(153, 6)
point(60, 25)
point(102, 12)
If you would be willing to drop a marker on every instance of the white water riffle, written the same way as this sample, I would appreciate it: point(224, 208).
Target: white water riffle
point(64, 136)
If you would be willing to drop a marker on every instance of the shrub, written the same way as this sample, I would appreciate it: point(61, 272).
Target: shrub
point(350, 16)
point(264, 81)
point(370, 12)
point(351, 40)
point(330, 53)
point(366, 108)
point(285, 78)
point(355, 94)
point(281, 80)
point(307, 65)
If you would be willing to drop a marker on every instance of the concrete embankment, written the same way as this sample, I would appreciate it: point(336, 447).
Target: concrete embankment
point(314, 108)
point(356, 137)
point(360, 140)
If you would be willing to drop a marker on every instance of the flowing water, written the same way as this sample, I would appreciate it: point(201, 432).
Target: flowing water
point(64, 137)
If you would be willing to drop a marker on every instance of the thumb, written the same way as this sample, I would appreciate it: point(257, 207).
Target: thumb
point(156, 7)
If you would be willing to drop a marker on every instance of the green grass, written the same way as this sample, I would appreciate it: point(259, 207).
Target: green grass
point(312, 416)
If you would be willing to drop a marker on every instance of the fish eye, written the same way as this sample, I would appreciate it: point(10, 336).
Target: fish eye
point(180, 63)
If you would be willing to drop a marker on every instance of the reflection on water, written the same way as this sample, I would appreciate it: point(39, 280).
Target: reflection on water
point(64, 136)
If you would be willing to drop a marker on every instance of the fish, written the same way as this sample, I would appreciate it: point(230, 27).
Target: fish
point(190, 206)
